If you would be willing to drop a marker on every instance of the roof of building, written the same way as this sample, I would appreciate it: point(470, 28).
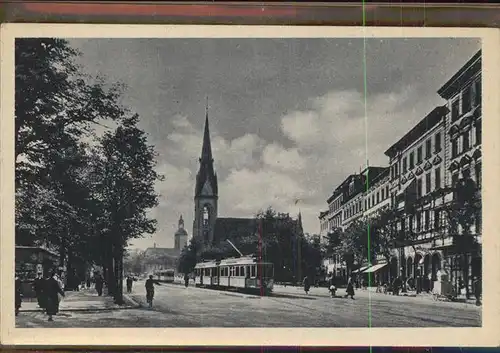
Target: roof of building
point(322, 214)
point(453, 85)
point(372, 172)
point(161, 252)
point(426, 124)
point(206, 172)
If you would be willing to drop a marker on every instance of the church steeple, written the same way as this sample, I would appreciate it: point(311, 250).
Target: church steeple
point(206, 172)
point(181, 223)
point(206, 191)
point(206, 150)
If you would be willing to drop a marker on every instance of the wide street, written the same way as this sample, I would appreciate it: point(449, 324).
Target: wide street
point(290, 307)
point(177, 306)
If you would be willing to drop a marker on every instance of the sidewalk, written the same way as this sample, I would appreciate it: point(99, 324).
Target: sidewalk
point(84, 300)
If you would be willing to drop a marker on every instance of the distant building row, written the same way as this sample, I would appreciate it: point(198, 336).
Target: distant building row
point(442, 148)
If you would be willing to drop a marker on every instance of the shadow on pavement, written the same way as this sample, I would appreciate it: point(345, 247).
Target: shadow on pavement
point(291, 296)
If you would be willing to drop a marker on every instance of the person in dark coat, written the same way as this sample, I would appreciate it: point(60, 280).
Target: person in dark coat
point(350, 288)
point(130, 281)
point(38, 286)
point(99, 282)
point(186, 280)
point(477, 290)
point(150, 290)
point(52, 290)
point(18, 294)
point(307, 284)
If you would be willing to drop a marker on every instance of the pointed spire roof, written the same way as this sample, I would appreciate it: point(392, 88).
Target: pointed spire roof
point(206, 150)
point(206, 172)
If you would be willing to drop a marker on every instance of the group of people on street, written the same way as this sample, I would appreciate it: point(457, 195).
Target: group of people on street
point(331, 284)
point(47, 292)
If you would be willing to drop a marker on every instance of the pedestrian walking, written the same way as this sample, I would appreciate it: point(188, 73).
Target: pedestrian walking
point(331, 286)
point(99, 283)
point(18, 294)
point(150, 290)
point(186, 280)
point(130, 281)
point(88, 282)
point(350, 288)
point(38, 286)
point(477, 290)
point(52, 291)
point(307, 284)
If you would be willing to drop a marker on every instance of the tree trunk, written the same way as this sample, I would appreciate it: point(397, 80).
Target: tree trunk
point(118, 256)
point(465, 269)
point(111, 282)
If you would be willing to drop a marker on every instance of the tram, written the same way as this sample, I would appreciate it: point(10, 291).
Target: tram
point(166, 276)
point(244, 273)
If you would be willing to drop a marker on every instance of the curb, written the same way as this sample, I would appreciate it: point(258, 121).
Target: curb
point(133, 304)
point(222, 292)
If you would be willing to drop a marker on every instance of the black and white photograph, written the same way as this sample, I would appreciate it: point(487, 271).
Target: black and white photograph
point(248, 182)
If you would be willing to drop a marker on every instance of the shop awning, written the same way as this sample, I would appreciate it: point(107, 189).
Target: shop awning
point(375, 268)
point(360, 269)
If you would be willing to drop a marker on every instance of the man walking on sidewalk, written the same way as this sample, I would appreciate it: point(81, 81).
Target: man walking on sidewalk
point(130, 281)
point(38, 286)
point(52, 290)
point(99, 282)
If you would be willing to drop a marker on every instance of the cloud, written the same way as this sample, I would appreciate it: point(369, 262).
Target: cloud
point(328, 142)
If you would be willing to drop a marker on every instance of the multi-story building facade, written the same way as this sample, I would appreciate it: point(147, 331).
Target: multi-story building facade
point(417, 170)
point(419, 186)
point(463, 138)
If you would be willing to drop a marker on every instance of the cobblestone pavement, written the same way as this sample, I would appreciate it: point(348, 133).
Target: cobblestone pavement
point(177, 306)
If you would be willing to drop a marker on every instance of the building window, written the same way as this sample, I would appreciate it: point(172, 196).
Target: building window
point(437, 178)
point(412, 160)
point(387, 191)
point(428, 147)
point(466, 173)
point(454, 148)
point(477, 170)
point(419, 221)
point(410, 223)
point(419, 154)
point(378, 197)
point(437, 221)
point(405, 166)
point(454, 178)
point(478, 133)
point(426, 219)
point(466, 141)
point(373, 200)
point(437, 143)
point(382, 196)
point(419, 188)
point(428, 183)
point(466, 100)
point(477, 92)
point(366, 205)
point(455, 110)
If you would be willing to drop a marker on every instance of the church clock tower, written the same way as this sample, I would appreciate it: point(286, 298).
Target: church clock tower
point(206, 192)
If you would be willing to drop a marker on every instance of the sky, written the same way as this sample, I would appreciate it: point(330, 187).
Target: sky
point(289, 118)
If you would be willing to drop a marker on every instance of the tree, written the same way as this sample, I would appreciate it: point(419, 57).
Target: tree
point(462, 213)
point(126, 166)
point(54, 102)
point(55, 106)
point(189, 256)
point(384, 232)
point(357, 245)
point(333, 242)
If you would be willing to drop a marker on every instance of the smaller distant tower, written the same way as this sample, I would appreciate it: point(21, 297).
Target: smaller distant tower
point(181, 236)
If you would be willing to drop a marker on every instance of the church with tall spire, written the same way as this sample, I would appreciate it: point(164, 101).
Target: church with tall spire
point(207, 225)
